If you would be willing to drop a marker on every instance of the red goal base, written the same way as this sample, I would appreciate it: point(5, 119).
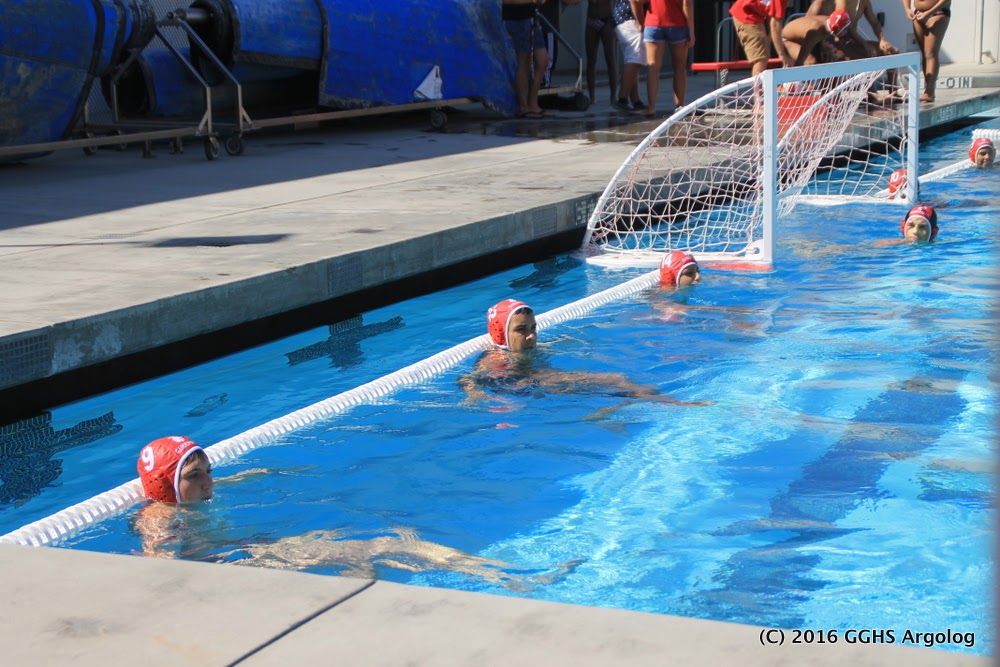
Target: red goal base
point(731, 64)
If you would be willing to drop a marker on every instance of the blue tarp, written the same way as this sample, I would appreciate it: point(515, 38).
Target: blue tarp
point(50, 52)
point(364, 53)
point(379, 52)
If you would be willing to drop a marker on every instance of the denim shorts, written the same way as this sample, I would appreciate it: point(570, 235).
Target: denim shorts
point(672, 35)
point(526, 35)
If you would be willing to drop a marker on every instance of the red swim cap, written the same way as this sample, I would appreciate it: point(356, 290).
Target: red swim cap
point(922, 211)
point(978, 145)
point(672, 266)
point(160, 463)
point(838, 21)
point(897, 181)
point(498, 319)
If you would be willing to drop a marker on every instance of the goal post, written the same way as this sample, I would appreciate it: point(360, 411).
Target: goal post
point(716, 177)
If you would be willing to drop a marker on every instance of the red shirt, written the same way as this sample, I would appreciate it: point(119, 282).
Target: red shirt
point(755, 11)
point(666, 14)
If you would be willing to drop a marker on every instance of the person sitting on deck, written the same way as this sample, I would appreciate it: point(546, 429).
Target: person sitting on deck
point(513, 367)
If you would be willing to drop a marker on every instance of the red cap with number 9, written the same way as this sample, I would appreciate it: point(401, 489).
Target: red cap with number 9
point(160, 463)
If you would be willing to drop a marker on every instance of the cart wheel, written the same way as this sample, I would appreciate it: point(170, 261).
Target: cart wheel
point(211, 148)
point(234, 144)
point(89, 151)
point(581, 102)
point(438, 119)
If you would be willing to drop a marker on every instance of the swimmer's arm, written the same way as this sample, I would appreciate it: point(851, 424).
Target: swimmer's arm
point(663, 398)
point(731, 309)
point(473, 391)
point(243, 474)
point(630, 389)
point(256, 472)
point(888, 242)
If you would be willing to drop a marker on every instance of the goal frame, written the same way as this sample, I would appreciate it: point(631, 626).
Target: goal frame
point(769, 81)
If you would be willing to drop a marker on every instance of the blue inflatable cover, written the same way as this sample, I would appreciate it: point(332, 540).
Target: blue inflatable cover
point(46, 56)
point(50, 53)
point(279, 32)
point(379, 52)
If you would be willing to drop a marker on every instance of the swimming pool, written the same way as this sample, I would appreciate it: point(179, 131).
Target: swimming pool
point(842, 478)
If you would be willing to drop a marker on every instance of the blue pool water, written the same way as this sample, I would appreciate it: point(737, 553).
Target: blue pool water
point(842, 477)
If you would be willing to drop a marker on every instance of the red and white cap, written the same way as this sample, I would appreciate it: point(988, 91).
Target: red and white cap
point(838, 21)
point(498, 319)
point(978, 145)
point(922, 211)
point(160, 463)
point(897, 181)
point(672, 265)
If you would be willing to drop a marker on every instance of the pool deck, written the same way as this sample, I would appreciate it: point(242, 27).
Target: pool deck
point(64, 607)
point(108, 256)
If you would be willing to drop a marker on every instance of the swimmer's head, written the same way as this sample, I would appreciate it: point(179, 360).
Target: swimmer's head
point(175, 469)
point(983, 153)
point(511, 325)
point(920, 224)
point(897, 183)
point(679, 269)
point(838, 21)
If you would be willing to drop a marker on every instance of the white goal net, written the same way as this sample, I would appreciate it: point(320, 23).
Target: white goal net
point(715, 177)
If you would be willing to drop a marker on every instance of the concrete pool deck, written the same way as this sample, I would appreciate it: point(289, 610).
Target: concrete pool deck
point(107, 256)
point(65, 607)
point(113, 255)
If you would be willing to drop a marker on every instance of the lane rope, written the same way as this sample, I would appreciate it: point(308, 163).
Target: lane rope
point(73, 519)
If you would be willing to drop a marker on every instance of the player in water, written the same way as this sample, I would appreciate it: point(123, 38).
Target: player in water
point(515, 367)
point(983, 153)
point(177, 477)
point(919, 226)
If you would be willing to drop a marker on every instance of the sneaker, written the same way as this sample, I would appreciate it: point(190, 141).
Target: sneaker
point(638, 105)
point(623, 104)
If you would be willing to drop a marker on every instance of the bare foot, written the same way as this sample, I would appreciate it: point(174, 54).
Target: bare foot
point(926, 98)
